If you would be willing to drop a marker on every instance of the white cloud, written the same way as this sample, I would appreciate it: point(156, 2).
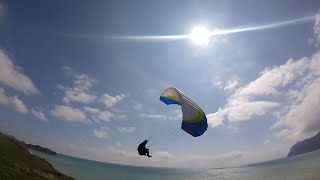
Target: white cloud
point(316, 27)
point(152, 116)
point(300, 117)
point(242, 104)
point(91, 110)
point(12, 76)
point(69, 114)
point(249, 109)
point(98, 115)
point(73, 95)
point(19, 105)
point(101, 133)
point(126, 129)
point(110, 101)
point(271, 80)
point(228, 86)
point(241, 111)
point(296, 87)
point(217, 118)
point(105, 116)
point(172, 115)
point(13, 102)
point(163, 155)
point(231, 85)
point(122, 117)
point(37, 112)
point(81, 91)
point(217, 84)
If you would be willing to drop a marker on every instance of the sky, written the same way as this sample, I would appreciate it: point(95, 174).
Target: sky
point(84, 79)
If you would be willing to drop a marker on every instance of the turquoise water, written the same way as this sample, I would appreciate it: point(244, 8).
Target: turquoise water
point(301, 167)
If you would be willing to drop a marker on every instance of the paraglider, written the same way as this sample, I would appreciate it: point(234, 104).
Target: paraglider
point(142, 150)
point(194, 120)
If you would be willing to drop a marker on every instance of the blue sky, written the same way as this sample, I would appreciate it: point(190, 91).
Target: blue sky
point(68, 84)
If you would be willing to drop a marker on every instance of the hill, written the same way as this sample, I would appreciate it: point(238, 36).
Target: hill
point(16, 162)
point(305, 146)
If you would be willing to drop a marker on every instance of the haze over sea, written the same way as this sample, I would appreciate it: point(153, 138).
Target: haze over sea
point(305, 166)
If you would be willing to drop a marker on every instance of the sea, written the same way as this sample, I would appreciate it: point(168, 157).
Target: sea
point(306, 167)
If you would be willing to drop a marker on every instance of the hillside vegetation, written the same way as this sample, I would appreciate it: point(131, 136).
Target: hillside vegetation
point(16, 162)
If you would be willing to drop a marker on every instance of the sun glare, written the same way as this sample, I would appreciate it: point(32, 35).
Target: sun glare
point(200, 35)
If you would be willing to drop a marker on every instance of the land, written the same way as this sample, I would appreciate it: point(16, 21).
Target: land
point(16, 162)
point(305, 146)
point(41, 149)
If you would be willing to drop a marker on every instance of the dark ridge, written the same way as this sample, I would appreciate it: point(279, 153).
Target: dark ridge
point(41, 149)
point(305, 146)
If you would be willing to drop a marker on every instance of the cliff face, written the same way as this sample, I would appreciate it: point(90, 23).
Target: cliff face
point(305, 146)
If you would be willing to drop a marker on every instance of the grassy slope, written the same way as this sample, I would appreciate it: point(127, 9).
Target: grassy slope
point(17, 163)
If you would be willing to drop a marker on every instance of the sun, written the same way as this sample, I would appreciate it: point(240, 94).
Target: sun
point(200, 35)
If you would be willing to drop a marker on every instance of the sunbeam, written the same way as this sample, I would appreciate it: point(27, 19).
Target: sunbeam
point(219, 31)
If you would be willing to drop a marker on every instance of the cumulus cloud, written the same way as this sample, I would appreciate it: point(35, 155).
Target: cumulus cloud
point(245, 104)
point(228, 86)
point(13, 102)
point(240, 111)
point(126, 129)
point(81, 90)
point(295, 85)
point(12, 76)
point(101, 133)
point(104, 116)
point(37, 112)
point(98, 115)
point(80, 97)
point(300, 117)
point(19, 105)
point(110, 101)
point(69, 114)
point(231, 85)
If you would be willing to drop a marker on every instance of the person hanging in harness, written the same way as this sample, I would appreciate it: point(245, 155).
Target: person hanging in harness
point(142, 150)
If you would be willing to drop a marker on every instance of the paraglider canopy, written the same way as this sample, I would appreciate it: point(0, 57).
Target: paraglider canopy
point(194, 120)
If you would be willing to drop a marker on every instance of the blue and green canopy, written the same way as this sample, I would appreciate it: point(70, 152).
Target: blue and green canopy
point(194, 120)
